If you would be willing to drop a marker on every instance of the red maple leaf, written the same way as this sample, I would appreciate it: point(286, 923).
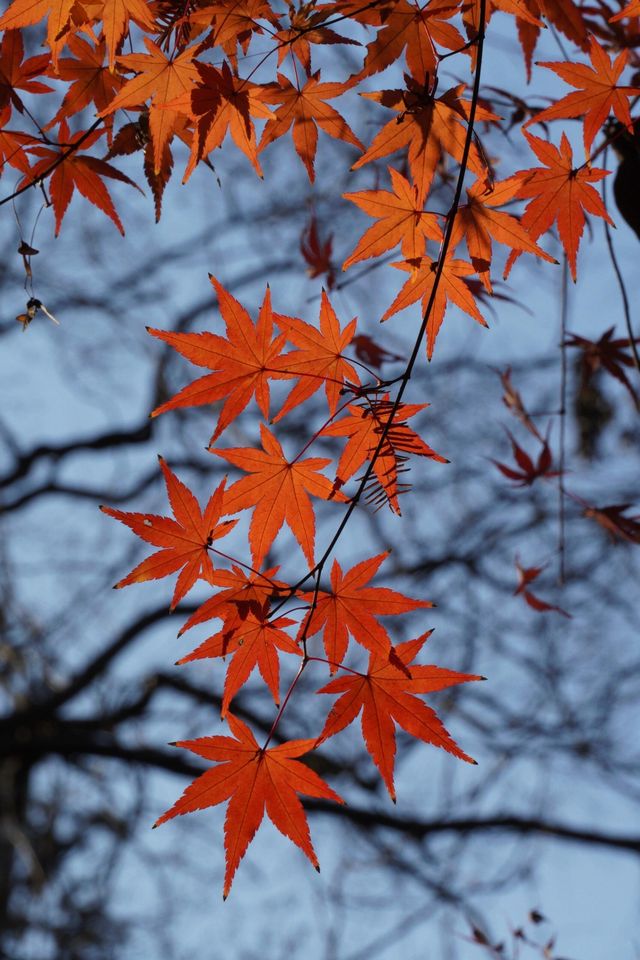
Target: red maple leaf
point(159, 79)
point(598, 93)
point(401, 220)
point(75, 172)
point(254, 780)
point(528, 471)
point(307, 110)
point(364, 425)
point(243, 362)
point(319, 360)
point(558, 192)
point(184, 542)
point(527, 575)
point(352, 609)
point(386, 696)
point(252, 641)
point(429, 126)
point(279, 490)
point(16, 74)
point(452, 287)
point(242, 593)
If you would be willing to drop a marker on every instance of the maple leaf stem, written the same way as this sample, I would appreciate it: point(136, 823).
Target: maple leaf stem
point(318, 432)
point(336, 663)
point(247, 566)
point(284, 703)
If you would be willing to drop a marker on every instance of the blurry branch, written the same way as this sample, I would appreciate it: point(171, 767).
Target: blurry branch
point(117, 438)
point(108, 495)
point(419, 829)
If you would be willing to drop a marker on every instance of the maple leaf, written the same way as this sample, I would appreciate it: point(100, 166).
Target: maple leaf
point(116, 15)
point(452, 287)
point(18, 74)
point(527, 472)
point(632, 9)
point(221, 103)
point(513, 402)
point(319, 360)
point(558, 192)
point(233, 23)
point(23, 13)
point(364, 426)
point(243, 361)
point(598, 93)
point(429, 127)
point(279, 491)
point(352, 609)
point(417, 28)
point(160, 79)
point(527, 575)
point(606, 354)
point(13, 144)
point(477, 222)
point(612, 520)
point(370, 352)
point(252, 641)
point(184, 542)
point(401, 220)
point(241, 594)
point(306, 27)
point(386, 696)
point(306, 110)
point(90, 81)
point(318, 253)
point(254, 780)
point(75, 172)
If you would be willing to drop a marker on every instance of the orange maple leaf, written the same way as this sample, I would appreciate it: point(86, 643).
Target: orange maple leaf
point(19, 74)
point(364, 426)
point(160, 79)
point(306, 109)
point(221, 103)
point(385, 694)
point(22, 13)
point(279, 490)
point(242, 593)
point(89, 79)
point(116, 15)
point(401, 220)
point(253, 779)
point(477, 222)
point(13, 145)
point(428, 126)
point(252, 641)
point(597, 95)
point(76, 172)
point(184, 542)
point(559, 192)
point(632, 9)
point(306, 27)
point(319, 360)
point(352, 609)
point(243, 361)
point(452, 287)
point(417, 28)
point(233, 23)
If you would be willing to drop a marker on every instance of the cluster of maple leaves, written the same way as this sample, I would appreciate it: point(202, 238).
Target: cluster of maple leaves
point(188, 77)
